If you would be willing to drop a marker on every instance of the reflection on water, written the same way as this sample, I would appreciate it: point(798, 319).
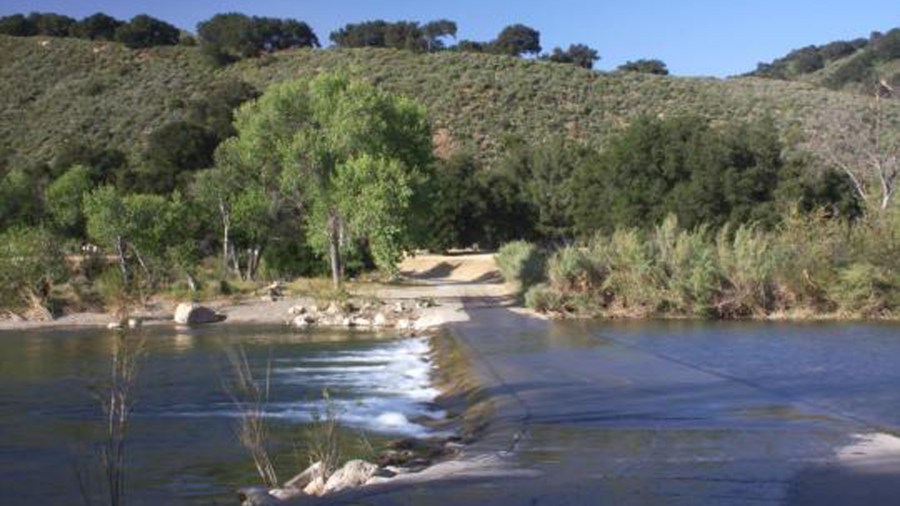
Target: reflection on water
point(182, 444)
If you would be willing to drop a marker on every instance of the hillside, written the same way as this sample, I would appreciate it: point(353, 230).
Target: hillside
point(857, 65)
point(54, 91)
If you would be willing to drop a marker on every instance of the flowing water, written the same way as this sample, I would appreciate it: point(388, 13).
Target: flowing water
point(182, 446)
point(643, 413)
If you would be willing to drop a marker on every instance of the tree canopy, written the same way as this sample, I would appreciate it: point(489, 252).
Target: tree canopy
point(232, 36)
point(353, 158)
point(646, 67)
point(517, 40)
point(407, 35)
point(146, 31)
point(577, 54)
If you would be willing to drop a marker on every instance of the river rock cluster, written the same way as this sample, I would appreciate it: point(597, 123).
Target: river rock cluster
point(402, 457)
point(400, 315)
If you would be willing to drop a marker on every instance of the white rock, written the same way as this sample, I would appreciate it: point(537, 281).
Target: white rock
point(134, 323)
point(299, 322)
point(114, 325)
point(361, 322)
point(404, 324)
point(315, 487)
point(295, 310)
point(354, 474)
point(380, 320)
point(333, 309)
point(303, 479)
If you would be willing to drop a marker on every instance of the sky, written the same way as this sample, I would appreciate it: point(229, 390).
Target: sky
point(694, 37)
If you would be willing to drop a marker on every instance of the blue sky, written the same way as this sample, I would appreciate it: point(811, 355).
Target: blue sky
point(694, 37)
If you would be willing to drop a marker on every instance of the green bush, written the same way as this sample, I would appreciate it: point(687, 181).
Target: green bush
point(543, 298)
point(522, 263)
point(634, 277)
point(748, 260)
point(687, 263)
point(863, 289)
point(570, 270)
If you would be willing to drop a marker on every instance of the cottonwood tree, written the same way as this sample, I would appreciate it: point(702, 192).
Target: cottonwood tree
point(150, 229)
point(353, 159)
point(31, 260)
point(864, 144)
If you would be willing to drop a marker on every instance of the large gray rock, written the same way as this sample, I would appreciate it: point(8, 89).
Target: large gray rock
point(194, 314)
point(354, 474)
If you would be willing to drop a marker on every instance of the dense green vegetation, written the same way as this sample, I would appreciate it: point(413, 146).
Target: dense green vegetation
point(139, 32)
point(141, 153)
point(859, 64)
point(808, 265)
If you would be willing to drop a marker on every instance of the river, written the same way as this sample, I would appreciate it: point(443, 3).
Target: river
point(182, 447)
point(678, 413)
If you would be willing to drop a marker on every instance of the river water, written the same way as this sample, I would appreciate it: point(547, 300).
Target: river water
point(182, 446)
point(642, 413)
point(679, 413)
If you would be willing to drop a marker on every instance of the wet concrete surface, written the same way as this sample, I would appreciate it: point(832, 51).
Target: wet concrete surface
point(675, 413)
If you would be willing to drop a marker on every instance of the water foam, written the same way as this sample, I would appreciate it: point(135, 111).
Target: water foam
point(383, 389)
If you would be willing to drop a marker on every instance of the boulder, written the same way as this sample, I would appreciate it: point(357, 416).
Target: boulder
point(333, 309)
point(299, 322)
point(275, 290)
point(380, 320)
point(315, 487)
point(354, 474)
point(114, 325)
point(134, 323)
point(193, 314)
point(404, 324)
point(297, 310)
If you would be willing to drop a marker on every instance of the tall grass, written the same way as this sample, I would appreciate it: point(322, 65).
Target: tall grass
point(812, 264)
point(116, 398)
point(323, 436)
point(251, 400)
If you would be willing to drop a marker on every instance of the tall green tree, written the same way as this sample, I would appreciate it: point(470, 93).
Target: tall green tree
point(65, 197)
point(352, 158)
point(31, 260)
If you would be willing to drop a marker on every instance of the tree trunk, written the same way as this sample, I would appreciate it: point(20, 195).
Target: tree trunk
point(334, 251)
point(123, 266)
point(226, 226)
point(235, 264)
point(253, 261)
